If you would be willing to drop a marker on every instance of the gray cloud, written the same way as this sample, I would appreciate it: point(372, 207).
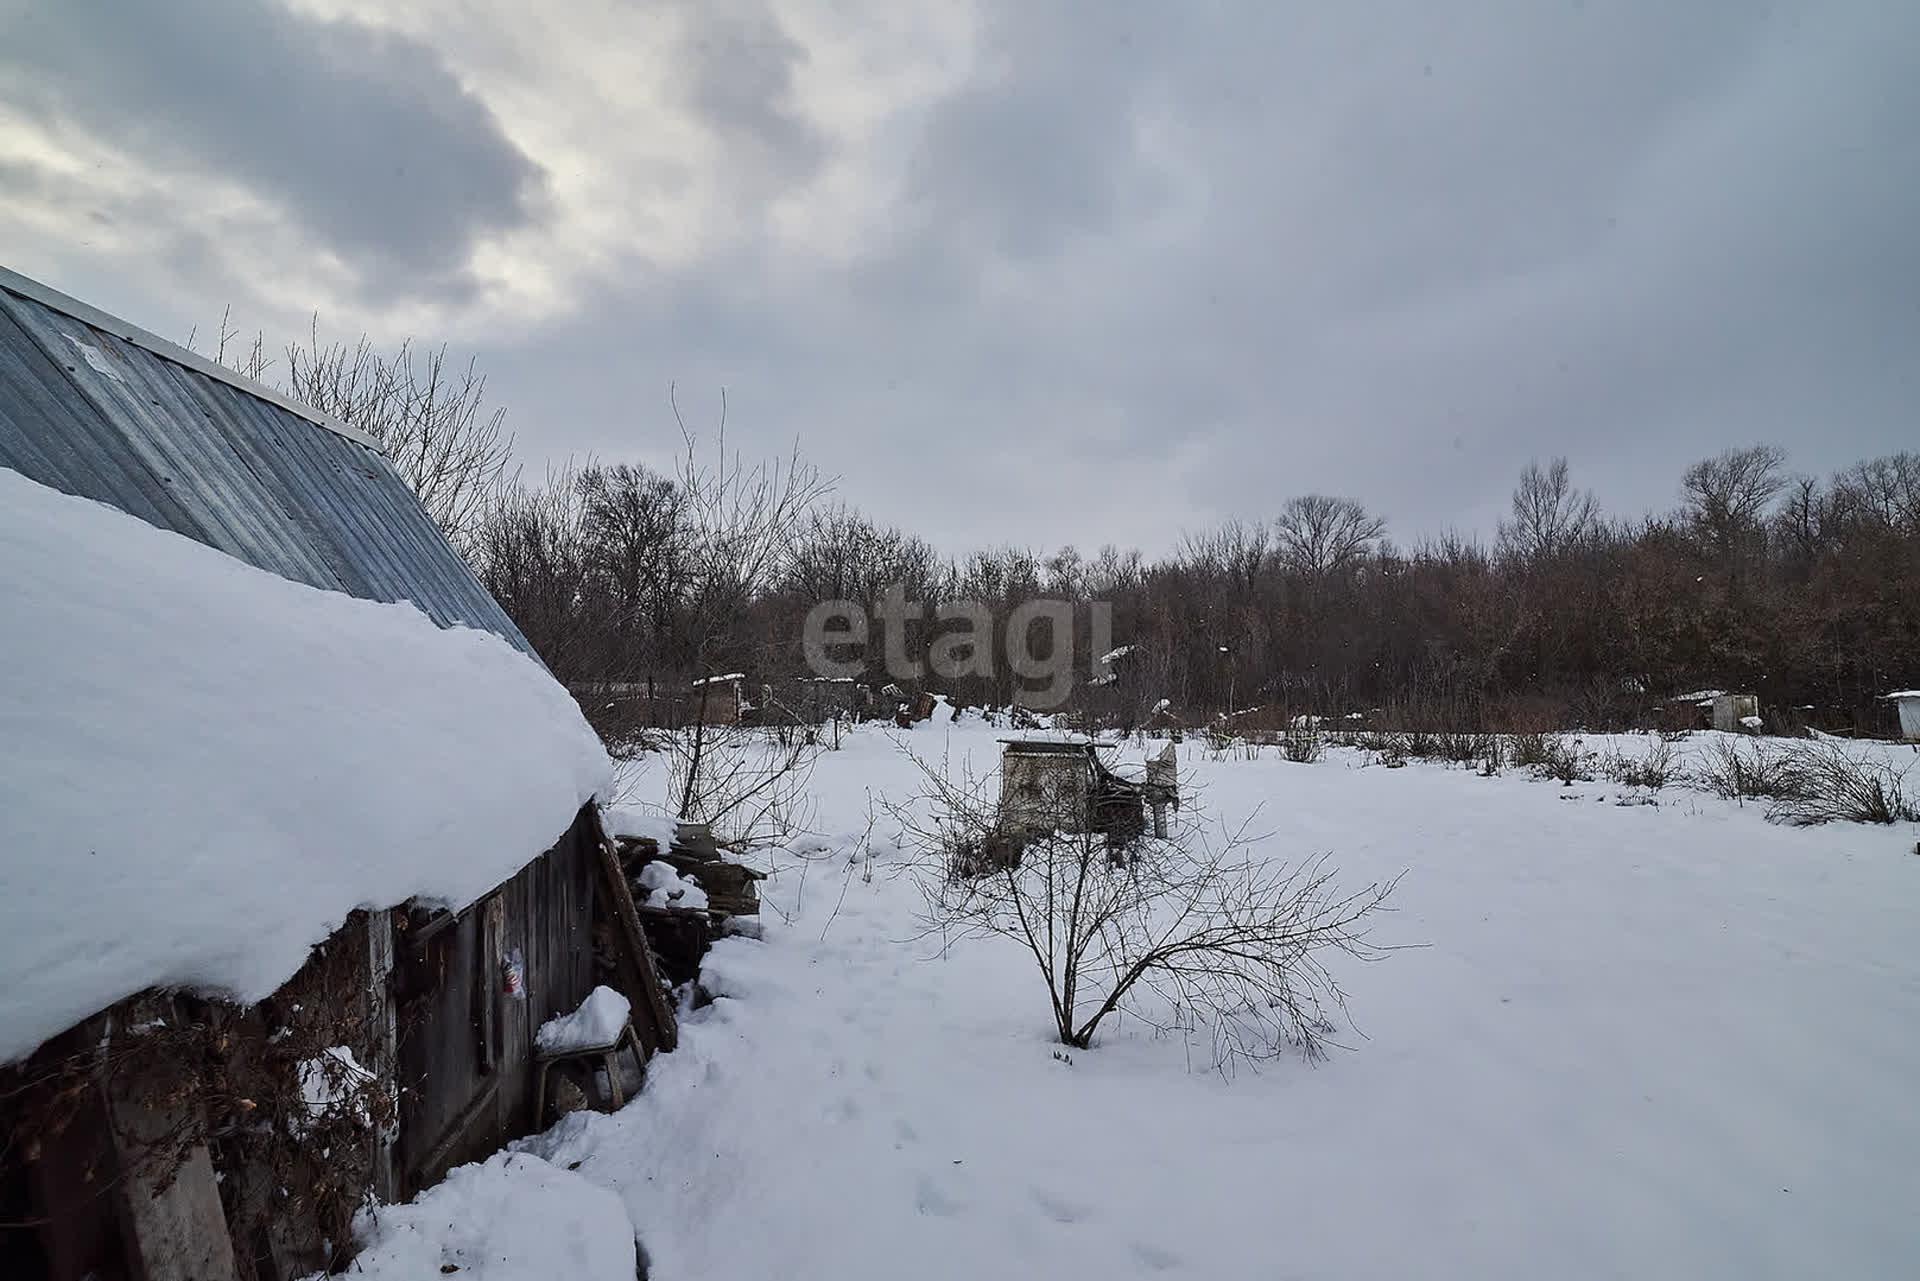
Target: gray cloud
point(738, 63)
point(1156, 265)
point(363, 137)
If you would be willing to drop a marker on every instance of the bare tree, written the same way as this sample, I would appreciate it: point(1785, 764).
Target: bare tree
point(748, 785)
point(1728, 494)
point(1185, 933)
point(1550, 516)
point(1319, 535)
point(840, 554)
point(532, 555)
point(741, 518)
point(429, 414)
point(1238, 552)
point(1883, 491)
point(637, 548)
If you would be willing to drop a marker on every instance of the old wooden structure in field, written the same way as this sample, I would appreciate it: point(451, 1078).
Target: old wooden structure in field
point(158, 1138)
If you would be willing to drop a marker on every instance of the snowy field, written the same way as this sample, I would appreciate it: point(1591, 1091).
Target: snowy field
point(1623, 1040)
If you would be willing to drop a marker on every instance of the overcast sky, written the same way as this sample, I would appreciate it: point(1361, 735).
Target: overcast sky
point(1028, 271)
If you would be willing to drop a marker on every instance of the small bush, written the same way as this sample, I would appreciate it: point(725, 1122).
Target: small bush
point(1738, 771)
point(1824, 784)
point(1302, 746)
point(1652, 771)
point(1530, 750)
point(1460, 748)
point(1374, 740)
point(1558, 757)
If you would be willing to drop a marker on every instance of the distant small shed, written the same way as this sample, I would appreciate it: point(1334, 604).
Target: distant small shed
point(1691, 710)
point(1906, 703)
point(1736, 713)
point(721, 700)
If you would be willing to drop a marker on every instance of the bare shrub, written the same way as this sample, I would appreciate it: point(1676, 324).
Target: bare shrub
point(1653, 770)
point(1740, 770)
point(1459, 748)
point(1302, 746)
point(748, 785)
point(1824, 783)
point(1389, 749)
point(1561, 758)
point(1528, 750)
point(1188, 933)
point(1549, 756)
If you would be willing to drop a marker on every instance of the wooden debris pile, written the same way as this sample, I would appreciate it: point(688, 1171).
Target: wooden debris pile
point(679, 935)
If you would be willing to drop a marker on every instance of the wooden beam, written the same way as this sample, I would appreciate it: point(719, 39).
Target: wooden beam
point(656, 1025)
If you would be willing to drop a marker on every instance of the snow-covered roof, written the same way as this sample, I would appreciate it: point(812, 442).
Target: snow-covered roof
point(720, 680)
point(205, 767)
point(1903, 694)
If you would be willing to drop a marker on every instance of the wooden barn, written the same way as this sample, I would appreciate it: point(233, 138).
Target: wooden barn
point(171, 1133)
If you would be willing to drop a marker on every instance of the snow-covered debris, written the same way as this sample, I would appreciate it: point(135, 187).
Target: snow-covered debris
point(632, 822)
point(597, 1022)
point(514, 1218)
point(332, 1080)
point(204, 767)
point(667, 888)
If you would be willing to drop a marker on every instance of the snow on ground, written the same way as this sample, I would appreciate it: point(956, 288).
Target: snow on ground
point(204, 767)
point(511, 1218)
point(1626, 1041)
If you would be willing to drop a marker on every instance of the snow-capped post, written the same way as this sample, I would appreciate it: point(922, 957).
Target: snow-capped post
point(1162, 788)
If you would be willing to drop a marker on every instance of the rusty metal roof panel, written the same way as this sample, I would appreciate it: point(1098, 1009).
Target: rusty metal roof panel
point(97, 408)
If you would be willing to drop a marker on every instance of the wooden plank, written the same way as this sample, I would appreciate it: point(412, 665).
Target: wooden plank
point(453, 1142)
point(171, 1212)
point(386, 1041)
point(637, 972)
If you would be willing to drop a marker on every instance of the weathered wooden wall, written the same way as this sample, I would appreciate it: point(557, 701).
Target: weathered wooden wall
point(465, 1056)
point(417, 995)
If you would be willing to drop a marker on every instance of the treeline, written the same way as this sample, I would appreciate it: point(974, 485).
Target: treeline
point(1803, 590)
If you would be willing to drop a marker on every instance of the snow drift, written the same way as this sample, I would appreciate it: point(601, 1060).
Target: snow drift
point(205, 767)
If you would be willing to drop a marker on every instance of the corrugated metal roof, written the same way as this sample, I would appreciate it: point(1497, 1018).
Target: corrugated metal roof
point(98, 408)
